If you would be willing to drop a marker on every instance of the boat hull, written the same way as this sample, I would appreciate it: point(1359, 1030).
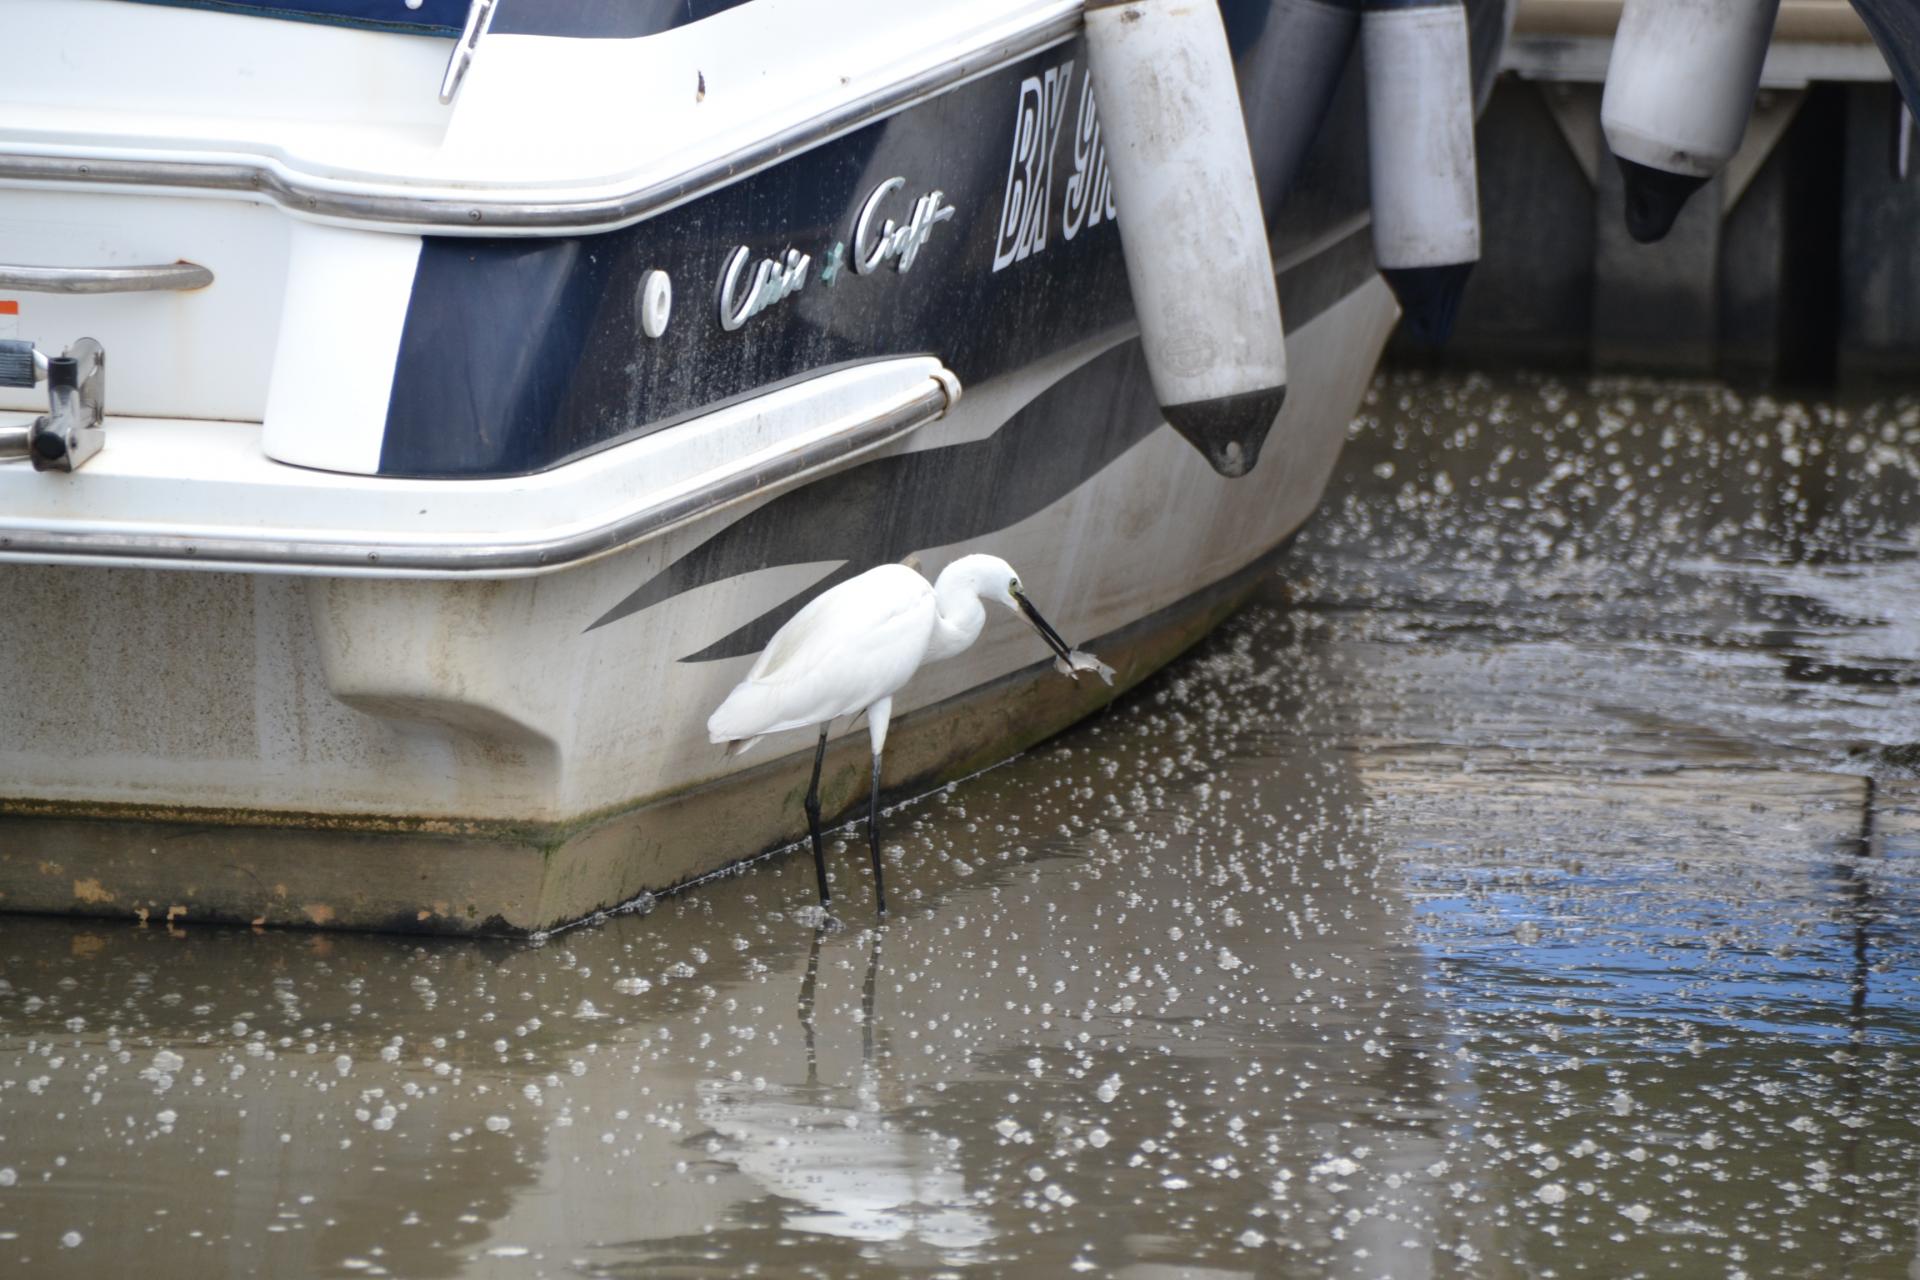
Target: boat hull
point(284, 772)
point(263, 721)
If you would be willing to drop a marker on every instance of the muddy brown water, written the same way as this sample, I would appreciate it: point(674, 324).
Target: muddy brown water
point(1525, 887)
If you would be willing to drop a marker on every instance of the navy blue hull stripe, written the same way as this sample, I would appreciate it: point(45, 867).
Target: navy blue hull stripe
point(588, 19)
point(519, 355)
point(602, 19)
point(882, 510)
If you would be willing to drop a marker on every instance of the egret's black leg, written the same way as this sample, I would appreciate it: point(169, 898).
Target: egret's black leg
point(867, 1000)
point(813, 820)
point(873, 836)
point(808, 986)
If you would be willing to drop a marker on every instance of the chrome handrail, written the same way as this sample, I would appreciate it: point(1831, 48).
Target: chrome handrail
point(901, 413)
point(164, 278)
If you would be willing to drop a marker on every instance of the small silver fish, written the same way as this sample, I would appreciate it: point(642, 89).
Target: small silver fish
point(1079, 660)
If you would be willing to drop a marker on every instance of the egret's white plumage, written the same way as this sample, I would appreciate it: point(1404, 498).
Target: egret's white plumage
point(853, 647)
point(847, 649)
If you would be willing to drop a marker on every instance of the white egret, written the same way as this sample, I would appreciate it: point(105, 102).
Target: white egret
point(852, 648)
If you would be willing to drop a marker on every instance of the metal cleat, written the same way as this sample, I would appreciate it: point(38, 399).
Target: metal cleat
point(73, 428)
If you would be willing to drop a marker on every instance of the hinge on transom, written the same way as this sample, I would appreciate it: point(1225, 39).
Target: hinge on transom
point(74, 426)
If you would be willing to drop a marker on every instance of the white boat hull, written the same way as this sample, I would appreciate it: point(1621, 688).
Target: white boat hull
point(273, 748)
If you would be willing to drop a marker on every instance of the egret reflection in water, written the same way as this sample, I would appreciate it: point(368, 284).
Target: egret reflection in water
point(835, 1152)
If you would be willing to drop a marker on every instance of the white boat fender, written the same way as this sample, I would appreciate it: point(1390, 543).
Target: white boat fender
point(1680, 86)
point(1190, 222)
point(1301, 53)
point(1420, 159)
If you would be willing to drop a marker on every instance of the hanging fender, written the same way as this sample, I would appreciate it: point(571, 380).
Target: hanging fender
point(1420, 157)
point(1299, 62)
point(1680, 86)
point(1190, 222)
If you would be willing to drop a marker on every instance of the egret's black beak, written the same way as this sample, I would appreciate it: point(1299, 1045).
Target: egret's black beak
point(1040, 624)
